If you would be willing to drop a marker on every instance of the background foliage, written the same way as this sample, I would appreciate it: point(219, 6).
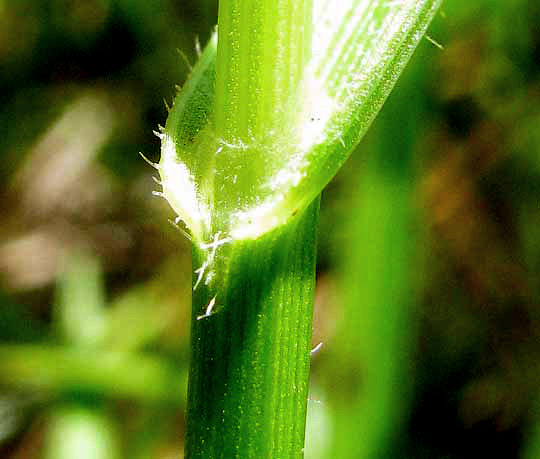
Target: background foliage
point(429, 255)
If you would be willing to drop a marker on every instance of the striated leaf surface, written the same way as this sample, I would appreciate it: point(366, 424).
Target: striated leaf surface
point(238, 160)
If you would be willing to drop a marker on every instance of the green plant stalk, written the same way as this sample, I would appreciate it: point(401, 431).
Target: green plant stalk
point(263, 49)
point(531, 447)
point(248, 381)
point(263, 123)
point(253, 298)
point(375, 338)
point(258, 132)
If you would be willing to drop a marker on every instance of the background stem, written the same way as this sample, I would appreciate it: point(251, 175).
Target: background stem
point(381, 278)
point(250, 356)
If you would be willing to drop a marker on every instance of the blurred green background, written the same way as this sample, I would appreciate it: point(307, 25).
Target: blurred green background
point(428, 296)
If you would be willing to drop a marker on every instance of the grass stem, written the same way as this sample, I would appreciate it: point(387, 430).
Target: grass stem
point(251, 341)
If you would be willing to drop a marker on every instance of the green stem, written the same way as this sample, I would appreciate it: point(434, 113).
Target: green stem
point(245, 150)
point(376, 338)
point(253, 298)
point(281, 116)
point(263, 48)
point(249, 372)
